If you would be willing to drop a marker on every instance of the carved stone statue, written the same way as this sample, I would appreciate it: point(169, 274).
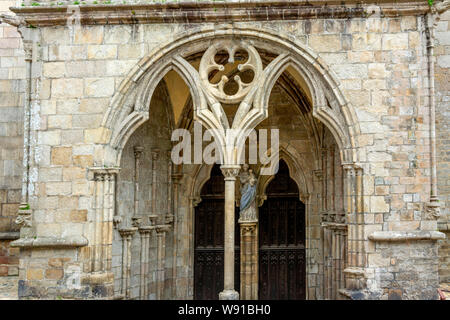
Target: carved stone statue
point(248, 195)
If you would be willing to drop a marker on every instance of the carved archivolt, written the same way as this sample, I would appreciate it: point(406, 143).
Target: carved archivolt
point(130, 106)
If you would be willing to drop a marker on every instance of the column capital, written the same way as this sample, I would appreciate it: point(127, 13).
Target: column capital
point(248, 227)
point(230, 172)
point(176, 177)
point(152, 219)
point(99, 173)
point(432, 210)
point(127, 232)
point(155, 153)
point(136, 221)
point(229, 295)
point(138, 150)
point(318, 173)
point(351, 167)
point(162, 228)
point(146, 229)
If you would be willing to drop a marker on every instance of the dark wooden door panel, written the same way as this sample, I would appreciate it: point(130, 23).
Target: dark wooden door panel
point(282, 270)
point(281, 275)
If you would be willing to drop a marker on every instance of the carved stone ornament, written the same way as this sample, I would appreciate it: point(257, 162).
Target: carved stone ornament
point(432, 211)
point(23, 220)
point(12, 20)
point(208, 65)
point(127, 232)
point(251, 97)
point(23, 217)
point(117, 220)
point(230, 172)
point(248, 228)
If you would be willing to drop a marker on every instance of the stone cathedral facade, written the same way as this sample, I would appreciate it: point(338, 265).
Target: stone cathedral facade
point(92, 205)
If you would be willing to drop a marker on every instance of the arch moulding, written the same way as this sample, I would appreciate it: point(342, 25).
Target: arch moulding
point(129, 107)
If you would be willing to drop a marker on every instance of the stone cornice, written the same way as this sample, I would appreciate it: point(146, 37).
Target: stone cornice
point(214, 11)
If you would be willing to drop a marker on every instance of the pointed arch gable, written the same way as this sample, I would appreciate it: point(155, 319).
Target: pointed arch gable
point(129, 106)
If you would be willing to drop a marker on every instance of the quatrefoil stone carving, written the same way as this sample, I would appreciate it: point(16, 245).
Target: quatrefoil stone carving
point(208, 65)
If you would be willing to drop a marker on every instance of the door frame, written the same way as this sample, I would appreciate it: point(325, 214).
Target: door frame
point(295, 162)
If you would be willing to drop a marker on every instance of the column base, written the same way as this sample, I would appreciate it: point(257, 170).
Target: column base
point(229, 295)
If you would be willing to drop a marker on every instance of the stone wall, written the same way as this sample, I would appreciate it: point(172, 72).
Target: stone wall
point(12, 73)
point(380, 63)
point(442, 72)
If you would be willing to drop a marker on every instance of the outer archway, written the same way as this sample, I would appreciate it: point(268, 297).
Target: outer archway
point(130, 106)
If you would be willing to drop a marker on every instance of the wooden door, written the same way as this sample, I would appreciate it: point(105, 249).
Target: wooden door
point(282, 270)
point(209, 240)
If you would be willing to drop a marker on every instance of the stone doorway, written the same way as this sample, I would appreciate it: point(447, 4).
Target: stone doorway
point(282, 267)
point(281, 263)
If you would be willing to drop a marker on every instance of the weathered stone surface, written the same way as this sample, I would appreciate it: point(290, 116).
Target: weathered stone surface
point(376, 94)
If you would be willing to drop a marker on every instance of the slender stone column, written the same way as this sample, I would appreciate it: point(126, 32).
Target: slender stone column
point(28, 50)
point(137, 155)
point(102, 224)
point(160, 272)
point(153, 218)
point(155, 154)
point(145, 232)
point(230, 172)
point(169, 216)
point(127, 235)
point(176, 180)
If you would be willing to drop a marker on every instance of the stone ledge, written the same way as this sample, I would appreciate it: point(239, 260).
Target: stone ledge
point(50, 242)
point(355, 271)
point(398, 236)
point(213, 11)
point(9, 235)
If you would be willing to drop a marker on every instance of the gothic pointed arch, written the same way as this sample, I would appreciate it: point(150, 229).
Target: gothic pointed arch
point(129, 106)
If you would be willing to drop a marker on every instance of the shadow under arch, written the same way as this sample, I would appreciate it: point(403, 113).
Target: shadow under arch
point(296, 165)
point(129, 107)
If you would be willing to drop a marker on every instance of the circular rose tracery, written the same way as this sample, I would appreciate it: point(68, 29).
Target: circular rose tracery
point(208, 65)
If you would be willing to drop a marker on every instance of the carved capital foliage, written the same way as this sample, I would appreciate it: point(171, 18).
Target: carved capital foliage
point(230, 172)
point(146, 230)
point(432, 211)
point(127, 233)
point(318, 174)
point(248, 228)
point(24, 218)
point(117, 221)
point(136, 221)
point(352, 169)
point(155, 154)
point(152, 219)
point(103, 173)
point(138, 151)
point(195, 200)
point(162, 228)
point(332, 216)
